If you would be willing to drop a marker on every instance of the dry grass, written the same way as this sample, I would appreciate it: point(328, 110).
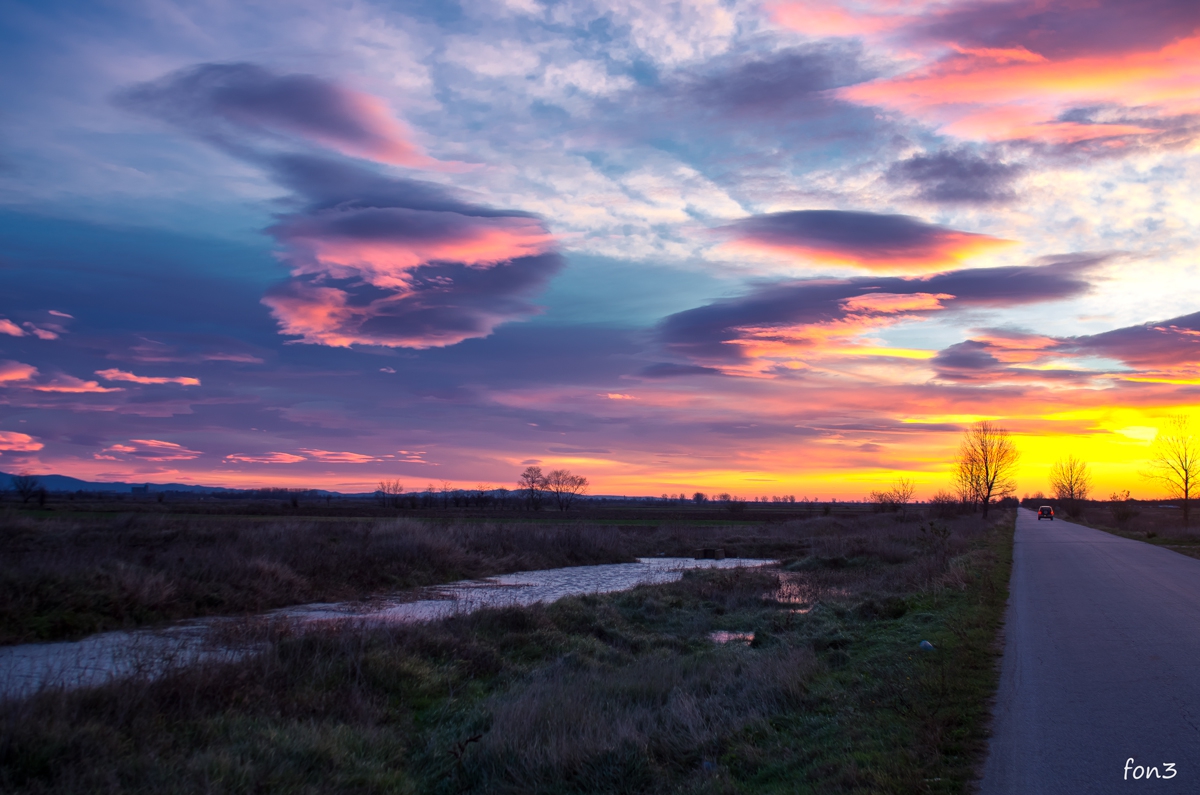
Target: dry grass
point(621, 693)
point(68, 577)
point(64, 578)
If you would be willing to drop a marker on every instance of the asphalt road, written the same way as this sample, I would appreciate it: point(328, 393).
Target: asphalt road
point(1101, 663)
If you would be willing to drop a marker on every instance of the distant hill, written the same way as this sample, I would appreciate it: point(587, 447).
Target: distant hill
point(64, 483)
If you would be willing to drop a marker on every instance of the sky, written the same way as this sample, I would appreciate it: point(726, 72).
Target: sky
point(763, 248)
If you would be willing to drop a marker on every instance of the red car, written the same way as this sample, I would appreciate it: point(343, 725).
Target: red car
point(1045, 512)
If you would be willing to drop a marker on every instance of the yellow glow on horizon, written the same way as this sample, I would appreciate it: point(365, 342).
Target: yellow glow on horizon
point(899, 353)
point(1153, 379)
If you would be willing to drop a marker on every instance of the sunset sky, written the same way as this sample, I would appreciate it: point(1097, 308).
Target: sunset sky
point(755, 247)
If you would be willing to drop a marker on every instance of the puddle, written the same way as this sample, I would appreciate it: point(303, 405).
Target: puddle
point(151, 652)
point(721, 636)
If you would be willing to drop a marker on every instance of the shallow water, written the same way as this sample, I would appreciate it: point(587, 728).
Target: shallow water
point(151, 652)
point(722, 637)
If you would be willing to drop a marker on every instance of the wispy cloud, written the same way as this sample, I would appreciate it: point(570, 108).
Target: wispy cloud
point(333, 457)
point(69, 384)
point(113, 374)
point(264, 458)
point(148, 450)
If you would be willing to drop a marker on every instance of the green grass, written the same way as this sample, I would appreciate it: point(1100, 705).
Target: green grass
point(621, 693)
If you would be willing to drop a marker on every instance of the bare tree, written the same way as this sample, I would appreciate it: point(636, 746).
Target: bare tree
point(533, 483)
point(391, 491)
point(1070, 479)
point(1122, 507)
point(26, 486)
point(987, 460)
point(565, 487)
point(903, 491)
point(1175, 461)
point(896, 497)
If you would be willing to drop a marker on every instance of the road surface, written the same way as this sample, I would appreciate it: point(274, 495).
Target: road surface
point(1101, 664)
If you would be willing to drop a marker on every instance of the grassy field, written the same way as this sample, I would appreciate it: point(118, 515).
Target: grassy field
point(823, 689)
point(67, 575)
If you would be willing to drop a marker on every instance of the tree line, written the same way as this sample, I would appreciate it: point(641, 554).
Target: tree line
point(985, 470)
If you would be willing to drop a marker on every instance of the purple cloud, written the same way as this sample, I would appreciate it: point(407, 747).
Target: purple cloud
point(873, 241)
point(225, 103)
point(957, 176)
point(1169, 344)
point(705, 332)
point(1065, 29)
point(375, 260)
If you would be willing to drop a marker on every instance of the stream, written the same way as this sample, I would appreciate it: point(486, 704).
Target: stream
point(149, 653)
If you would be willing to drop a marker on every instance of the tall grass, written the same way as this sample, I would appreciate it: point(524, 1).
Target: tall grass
point(619, 693)
point(64, 578)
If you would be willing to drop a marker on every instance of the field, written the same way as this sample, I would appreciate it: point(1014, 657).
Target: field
point(86, 566)
point(820, 687)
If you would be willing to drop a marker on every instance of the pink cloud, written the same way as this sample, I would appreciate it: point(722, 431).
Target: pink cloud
point(72, 385)
point(113, 374)
point(10, 328)
point(219, 101)
point(42, 333)
point(891, 303)
point(149, 450)
point(265, 458)
point(12, 372)
point(383, 245)
point(11, 441)
point(332, 457)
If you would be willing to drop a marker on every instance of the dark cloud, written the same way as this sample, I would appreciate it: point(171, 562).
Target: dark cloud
point(838, 229)
point(1066, 29)
point(323, 183)
point(1167, 350)
point(704, 332)
point(977, 361)
point(872, 240)
point(970, 360)
point(773, 86)
point(957, 176)
point(443, 304)
point(375, 259)
point(1166, 344)
point(400, 262)
point(226, 102)
point(748, 112)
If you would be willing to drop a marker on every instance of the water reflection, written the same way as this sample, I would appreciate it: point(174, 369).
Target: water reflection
point(96, 659)
point(721, 636)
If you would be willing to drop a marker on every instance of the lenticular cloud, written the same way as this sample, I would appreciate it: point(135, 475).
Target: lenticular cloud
point(871, 241)
point(401, 263)
point(227, 103)
point(374, 259)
